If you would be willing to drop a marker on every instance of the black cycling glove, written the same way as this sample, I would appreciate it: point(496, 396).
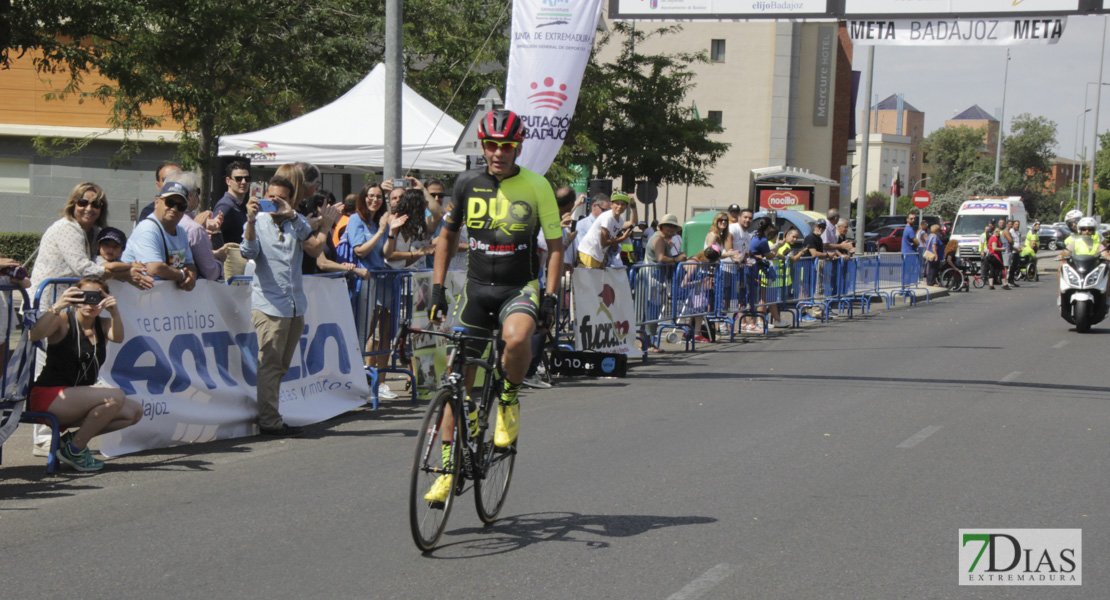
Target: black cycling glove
point(547, 310)
point(437, 309)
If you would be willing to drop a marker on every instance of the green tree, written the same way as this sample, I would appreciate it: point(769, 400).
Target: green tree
point(224, 68)
point(1102, 162)
point(1027, 154)
point(956, 154)
point(633, 120)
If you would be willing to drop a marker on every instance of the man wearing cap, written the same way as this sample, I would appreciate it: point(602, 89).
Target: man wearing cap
point(160, 245)
point(209, 265)
point(163, 171)
point(605, 235)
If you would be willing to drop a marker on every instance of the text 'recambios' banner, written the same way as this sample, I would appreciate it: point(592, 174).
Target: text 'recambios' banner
point(551, 44)
point(190, 359)
point(604, 315)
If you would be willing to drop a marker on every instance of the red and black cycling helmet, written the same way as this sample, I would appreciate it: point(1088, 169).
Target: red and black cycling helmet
point(503, 125)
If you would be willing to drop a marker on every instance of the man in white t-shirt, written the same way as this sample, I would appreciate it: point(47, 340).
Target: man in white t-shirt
point(605, 234)
point(740, 239)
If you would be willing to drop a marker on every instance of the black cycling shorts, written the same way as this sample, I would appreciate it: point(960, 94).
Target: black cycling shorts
point(484, 307)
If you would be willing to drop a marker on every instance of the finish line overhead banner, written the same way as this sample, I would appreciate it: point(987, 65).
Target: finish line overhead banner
point(831, 10)
point(957, 32)
point(551, 44)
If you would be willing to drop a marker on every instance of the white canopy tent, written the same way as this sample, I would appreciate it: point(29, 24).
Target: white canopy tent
point(350, 134)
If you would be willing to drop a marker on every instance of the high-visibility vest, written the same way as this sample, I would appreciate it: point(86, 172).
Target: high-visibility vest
point(1032, 239)
point(786, 267)
point(1082, 248)
point(983, 243)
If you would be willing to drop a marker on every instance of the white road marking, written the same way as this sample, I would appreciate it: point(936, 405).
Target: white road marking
point(920, 436)
point(1060, 344)
point(1010, 377)
point(702, 585)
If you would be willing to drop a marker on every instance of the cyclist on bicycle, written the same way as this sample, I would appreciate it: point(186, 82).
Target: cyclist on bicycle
point(502, 207)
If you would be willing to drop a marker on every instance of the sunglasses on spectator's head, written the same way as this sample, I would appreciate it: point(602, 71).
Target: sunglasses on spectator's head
point(242, 178)
point(176, 202)
point(493, 145)
point(97, 204)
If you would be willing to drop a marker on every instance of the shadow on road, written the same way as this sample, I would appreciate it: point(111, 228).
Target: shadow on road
point(520, 531)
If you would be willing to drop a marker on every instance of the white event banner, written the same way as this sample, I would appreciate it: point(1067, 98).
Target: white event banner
point(551, 44)
point(957, 32)
point(604, 315)
point(646, 8)
point(941, 7)
point(190, 359)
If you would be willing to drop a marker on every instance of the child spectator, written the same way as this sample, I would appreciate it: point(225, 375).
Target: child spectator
point(110, 244)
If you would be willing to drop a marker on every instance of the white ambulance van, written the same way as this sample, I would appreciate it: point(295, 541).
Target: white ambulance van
point(976, 212)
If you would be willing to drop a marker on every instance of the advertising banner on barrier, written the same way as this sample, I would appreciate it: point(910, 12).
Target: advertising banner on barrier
point(190, 359)
point(551, 44)
point(604, 315)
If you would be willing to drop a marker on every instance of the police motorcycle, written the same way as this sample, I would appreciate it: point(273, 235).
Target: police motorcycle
point(1083, 280)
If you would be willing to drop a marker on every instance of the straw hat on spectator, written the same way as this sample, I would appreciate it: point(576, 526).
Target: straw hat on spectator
point(669, 219)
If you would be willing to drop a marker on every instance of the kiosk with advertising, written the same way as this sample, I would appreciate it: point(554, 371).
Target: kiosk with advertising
point(784, 188)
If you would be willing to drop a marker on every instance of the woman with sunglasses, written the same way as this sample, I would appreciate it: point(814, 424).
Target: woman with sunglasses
point(68, 247)
point(718, 231)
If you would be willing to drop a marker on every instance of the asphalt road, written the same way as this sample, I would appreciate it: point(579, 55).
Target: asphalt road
point(837, 461)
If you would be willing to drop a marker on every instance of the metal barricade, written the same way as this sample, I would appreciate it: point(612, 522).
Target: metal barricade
point(804, 275)
point(383, 302)
point(693, 296)
point(651, 294)
point(912, 267)
point(867, 281)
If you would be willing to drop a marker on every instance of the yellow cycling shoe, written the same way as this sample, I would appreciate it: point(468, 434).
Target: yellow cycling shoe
point(508, 424)
point(439, 490)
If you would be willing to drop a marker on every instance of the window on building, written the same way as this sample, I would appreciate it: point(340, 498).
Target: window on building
point(717, 50)
point(15, 176)
point(717, 117)
point(913, 158)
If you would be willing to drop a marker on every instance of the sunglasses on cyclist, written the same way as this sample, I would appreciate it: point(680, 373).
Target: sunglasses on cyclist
point(493, 145)
point(97, 204)
point(176, 202)
point(242, 178)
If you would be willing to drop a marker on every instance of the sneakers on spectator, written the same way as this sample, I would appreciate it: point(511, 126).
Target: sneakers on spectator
point(437, 494)
point(83, 461)
point(809, 318)
point(535, 382)
point(701, 338)
point(285, 431)
point(770, 324)
point(40, 449)
point(508, 425)
point(782, 324)
point(384, 393)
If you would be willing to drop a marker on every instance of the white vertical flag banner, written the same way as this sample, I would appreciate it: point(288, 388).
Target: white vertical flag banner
point(551, 44)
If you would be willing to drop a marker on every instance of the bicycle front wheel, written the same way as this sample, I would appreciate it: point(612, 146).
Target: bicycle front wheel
point(428, 516)
point(496, 465)
point(977, 282)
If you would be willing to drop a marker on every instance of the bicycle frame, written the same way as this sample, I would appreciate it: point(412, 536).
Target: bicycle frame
point(456, 379)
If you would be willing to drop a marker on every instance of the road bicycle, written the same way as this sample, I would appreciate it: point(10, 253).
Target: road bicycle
point(463, 450)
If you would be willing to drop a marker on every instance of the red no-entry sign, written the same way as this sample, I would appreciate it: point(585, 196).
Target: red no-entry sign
point(921, 198)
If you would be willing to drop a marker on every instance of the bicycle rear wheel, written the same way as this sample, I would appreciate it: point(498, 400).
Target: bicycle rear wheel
point(977, 282)
point(496, 464)
point(428, 519)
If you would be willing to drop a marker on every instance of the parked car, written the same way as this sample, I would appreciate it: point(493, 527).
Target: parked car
point(1051, 237)
point(894, 220)
point(889, 238)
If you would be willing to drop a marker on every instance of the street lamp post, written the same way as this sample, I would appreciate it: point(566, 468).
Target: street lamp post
point(1076, 175)
point(1002, 122)
point(1094, 143)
